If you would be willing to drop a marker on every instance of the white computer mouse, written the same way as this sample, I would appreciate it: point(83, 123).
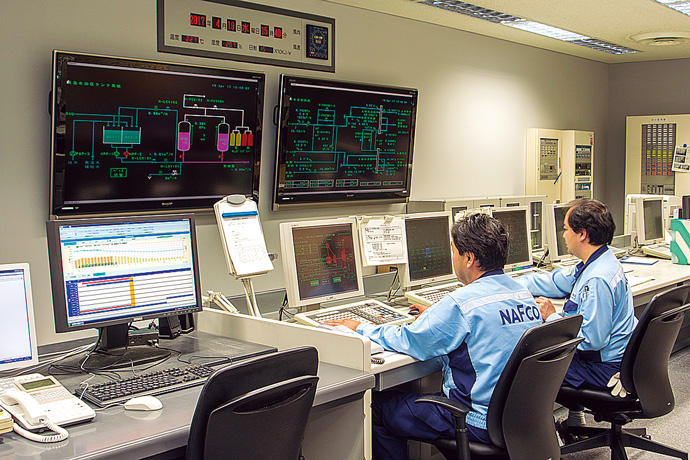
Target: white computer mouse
point(144, 403)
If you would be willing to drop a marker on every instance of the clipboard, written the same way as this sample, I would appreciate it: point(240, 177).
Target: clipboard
point(242, 237)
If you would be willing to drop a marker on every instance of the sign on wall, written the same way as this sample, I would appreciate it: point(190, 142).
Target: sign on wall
point(241, 31)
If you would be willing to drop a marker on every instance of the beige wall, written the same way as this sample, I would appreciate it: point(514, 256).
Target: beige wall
point(477, 97)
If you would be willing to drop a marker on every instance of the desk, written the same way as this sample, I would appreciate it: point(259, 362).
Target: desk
point(116, 433)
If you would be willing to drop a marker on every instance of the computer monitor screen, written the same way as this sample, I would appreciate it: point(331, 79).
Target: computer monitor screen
point(429, 256)
point(109, 272)
point(341, 141)
point(130, 135)
point(17, 327)
point(321, 261)
point(559, 213)
point(650, 227)
point(515, 219)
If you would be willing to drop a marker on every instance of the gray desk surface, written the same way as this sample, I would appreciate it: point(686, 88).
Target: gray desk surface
point(117, 433)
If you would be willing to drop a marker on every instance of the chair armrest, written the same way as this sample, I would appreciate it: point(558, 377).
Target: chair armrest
point(459, 412)
point(456, 408)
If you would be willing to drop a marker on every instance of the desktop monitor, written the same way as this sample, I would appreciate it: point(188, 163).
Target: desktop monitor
point(649, 219)
point(17, 327)
point(555, 216)
point(108, 272)
point(343, 142)
point(515, 219)
point(131, 135)
point(321, 261)
point(429, 256)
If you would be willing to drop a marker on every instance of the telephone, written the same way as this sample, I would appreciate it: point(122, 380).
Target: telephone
point(42, 403)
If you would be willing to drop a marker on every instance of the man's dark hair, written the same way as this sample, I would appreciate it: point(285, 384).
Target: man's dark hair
point(483, 236)
point(594, 217)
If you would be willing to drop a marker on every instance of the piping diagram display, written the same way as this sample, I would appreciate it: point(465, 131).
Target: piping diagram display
point(341, 141)
point(138, 135)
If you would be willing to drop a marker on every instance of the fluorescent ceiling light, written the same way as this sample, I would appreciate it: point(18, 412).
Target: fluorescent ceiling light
point(683, 7)
point(680, 6)
point(543, 29)
point(516, 22)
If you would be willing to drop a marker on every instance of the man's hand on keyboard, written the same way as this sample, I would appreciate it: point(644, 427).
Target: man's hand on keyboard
point(351, 323)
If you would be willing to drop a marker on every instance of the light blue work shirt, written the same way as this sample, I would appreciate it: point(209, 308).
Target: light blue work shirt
point(599, 291)
point(474, 330)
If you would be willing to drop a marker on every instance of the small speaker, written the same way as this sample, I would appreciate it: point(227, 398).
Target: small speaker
point(685, 213)
point(169, 327)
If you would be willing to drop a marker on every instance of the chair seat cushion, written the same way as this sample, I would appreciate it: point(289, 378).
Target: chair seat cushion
point(478, 450)
point(596, 400)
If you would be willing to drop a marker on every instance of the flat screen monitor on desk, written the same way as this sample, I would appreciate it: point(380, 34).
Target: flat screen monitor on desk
point(108, 272)
point(555, 216)
point(321, 261)
point(650, 220)
point(429, 257)
point(515, 219)
point(17, 327)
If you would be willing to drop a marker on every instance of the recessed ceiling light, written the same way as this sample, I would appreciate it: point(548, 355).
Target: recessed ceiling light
point(516, 22)
point(662, 38)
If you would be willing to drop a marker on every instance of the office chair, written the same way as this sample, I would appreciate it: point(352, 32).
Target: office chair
point(520, 415)
point(256, 409)
point(644, 375)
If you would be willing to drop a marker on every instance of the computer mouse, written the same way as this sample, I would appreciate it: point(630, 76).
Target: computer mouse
point(413, 312)
point(144, 403)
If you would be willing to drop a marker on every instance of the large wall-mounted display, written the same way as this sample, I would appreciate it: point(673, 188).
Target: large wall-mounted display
point(342, 141)
point(133, 135)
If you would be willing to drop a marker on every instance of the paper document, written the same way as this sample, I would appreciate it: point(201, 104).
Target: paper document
point(635, 280)
point(242, 238)
point(382, 240)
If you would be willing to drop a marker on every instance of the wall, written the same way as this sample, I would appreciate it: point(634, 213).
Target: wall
point(641, 88)
point(478, 96)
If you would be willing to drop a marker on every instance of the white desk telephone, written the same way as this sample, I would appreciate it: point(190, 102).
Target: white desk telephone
point(43, 403)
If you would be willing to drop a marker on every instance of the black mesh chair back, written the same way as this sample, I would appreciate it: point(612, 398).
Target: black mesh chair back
point(256, 409)
point(644, 369)
point(644, 375)
point(520, 415)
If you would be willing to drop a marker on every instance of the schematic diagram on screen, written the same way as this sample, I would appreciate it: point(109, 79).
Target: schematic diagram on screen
point(202, 131)
point(343, 141)
point(146, 135)
point(363, 146)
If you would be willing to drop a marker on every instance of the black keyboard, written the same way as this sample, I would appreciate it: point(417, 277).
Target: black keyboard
point(151, 383)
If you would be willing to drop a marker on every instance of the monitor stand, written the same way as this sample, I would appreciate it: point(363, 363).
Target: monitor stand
point(113, 352)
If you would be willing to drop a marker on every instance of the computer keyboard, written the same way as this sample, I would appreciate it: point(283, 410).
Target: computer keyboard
point(366, 311)
point(527, 271)
point(431, 295)
point(151, 383)
point(564, 263)
point(658, 250)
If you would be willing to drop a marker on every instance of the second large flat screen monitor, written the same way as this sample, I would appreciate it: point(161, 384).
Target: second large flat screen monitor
point(342, 141)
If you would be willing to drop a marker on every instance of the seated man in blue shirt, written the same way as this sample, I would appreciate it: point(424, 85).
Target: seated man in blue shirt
point(595, 288)
point(473, 329)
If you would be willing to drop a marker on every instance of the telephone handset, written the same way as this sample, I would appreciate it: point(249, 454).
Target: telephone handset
point(29, 415)
point(24, 408)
